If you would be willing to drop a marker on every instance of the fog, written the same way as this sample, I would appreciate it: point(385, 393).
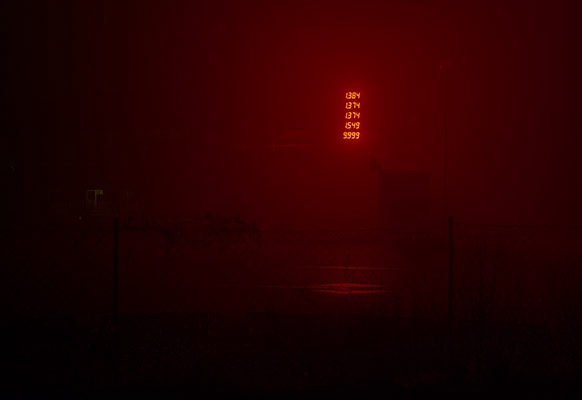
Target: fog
point(180, 103)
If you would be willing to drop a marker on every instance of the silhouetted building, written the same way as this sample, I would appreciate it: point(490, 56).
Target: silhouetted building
point(403, 197)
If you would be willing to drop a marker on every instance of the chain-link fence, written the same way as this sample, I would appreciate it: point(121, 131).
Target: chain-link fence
point(233, 267)
point(525, 274)
point(516, 298)
point(517, 301)
point(210, 264)
point(57, 269)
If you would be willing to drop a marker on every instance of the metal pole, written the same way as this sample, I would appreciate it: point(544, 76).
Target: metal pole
point(115, 268)
point(451, 287)
point(445, 205)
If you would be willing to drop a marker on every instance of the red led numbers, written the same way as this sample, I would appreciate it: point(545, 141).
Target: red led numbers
point(353, 115)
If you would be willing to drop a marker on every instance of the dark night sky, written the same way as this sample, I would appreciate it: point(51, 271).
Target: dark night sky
point(178, 101)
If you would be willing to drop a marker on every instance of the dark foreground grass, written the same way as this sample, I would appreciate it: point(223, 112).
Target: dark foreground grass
point(282, 352)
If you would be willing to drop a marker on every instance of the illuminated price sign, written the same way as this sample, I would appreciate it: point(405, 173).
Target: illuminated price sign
point(353, 115)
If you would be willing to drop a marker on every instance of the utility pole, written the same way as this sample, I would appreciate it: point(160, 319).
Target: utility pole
point(445, 66)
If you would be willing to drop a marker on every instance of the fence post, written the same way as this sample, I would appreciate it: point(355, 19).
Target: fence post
point(451, 289)
point(115, 268)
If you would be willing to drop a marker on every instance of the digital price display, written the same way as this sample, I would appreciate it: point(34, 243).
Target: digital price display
point(353, 115)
